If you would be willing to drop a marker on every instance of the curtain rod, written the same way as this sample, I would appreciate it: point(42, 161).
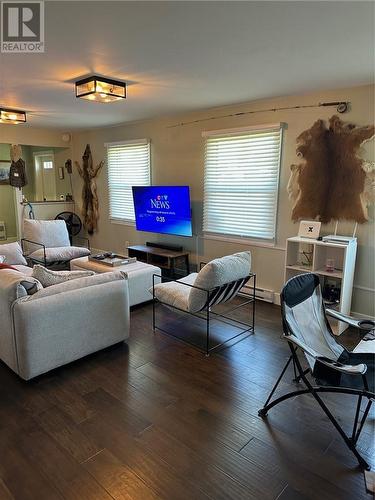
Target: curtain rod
point(341, 107)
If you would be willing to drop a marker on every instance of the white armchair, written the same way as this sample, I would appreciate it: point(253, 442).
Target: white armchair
point(47, 242)
point(197, 294)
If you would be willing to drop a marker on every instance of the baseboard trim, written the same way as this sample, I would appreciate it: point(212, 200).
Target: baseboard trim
point(361, 315)
point(364, 288)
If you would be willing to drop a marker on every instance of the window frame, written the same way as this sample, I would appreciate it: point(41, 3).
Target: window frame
point(107, 145)
point(237, 238)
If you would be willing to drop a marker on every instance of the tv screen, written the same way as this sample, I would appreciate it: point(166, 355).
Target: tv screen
point(163, 209)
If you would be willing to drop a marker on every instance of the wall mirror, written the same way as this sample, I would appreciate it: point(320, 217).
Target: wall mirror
point(47, 177)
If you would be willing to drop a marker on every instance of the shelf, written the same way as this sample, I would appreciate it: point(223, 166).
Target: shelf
point(320, 272)
point(299, 267)
point(298, 239)
point(341, 255)
point(333, 274)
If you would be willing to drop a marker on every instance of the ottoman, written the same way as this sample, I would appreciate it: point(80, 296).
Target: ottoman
point(139, 276)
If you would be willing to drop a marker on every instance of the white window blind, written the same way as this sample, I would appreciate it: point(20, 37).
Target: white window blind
point(241, 182)
point(128, 165)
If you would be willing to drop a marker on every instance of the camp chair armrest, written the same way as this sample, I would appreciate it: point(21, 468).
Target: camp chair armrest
point(343, 317)
point(308, 350)
point(359, 369)
point(365, 324)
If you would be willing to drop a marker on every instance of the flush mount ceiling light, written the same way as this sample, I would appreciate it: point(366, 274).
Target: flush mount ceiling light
point(100, 89)
point(13, 116)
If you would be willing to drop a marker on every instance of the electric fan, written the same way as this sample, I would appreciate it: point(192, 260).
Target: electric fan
point(72, 221)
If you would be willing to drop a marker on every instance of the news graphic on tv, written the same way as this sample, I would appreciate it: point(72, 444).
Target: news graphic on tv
point(163, 209)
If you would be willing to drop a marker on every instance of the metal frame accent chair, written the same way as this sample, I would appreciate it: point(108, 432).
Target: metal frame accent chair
point(217, 282)
point(47, 242)
point(334, 369)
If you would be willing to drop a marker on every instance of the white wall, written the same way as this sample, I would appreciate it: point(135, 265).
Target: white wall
point(177, 158)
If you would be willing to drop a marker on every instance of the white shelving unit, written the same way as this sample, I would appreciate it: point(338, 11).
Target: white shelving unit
point(343, 255)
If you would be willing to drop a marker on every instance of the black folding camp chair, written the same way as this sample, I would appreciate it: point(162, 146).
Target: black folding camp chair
point(334, 369)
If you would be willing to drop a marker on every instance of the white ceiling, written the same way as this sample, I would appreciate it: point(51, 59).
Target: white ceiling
point(183, 56)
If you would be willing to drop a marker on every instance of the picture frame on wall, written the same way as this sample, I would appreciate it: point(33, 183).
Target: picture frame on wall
point(4, 172)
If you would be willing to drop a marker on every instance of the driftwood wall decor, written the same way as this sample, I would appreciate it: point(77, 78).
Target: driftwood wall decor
point(332, 183)
point(90, 202)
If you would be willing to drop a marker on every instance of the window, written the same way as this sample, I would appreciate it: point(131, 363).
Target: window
point(128, 165)
point(47, 165)
point(241, 182)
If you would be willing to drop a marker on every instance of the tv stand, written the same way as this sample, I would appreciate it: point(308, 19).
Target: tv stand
point(164, 246)
point(168, 260)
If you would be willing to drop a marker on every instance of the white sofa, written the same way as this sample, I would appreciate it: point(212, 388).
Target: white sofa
point(61, 323)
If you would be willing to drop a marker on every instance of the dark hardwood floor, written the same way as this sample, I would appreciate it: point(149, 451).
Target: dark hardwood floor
point(155, 419)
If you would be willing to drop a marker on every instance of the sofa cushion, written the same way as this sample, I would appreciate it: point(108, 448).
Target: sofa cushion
point(216, 273)
point(58, 254)
point(175, 293)
point(47, 277)
point(13, 254)
point(50, 233)
point(68, 286)
point(25, 270)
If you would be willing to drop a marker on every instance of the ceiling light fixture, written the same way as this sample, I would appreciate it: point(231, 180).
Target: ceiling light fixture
point(100, 89)
point(12, 116)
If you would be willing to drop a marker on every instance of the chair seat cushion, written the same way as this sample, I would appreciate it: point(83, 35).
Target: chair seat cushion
point(59, 254)
point(175, 293)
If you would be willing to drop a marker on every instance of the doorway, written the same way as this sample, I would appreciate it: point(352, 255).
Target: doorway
point(45, 176)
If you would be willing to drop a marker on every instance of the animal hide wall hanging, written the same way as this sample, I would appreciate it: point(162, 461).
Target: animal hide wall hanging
point(90, 205)
point(332, 183)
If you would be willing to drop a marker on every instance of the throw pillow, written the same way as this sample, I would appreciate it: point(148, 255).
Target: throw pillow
point(13, 254)
point(2, 259)
point(47, 277)
point(31, 287)
point(217, 273)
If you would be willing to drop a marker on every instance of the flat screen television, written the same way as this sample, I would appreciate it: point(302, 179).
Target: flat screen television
point(163, 209)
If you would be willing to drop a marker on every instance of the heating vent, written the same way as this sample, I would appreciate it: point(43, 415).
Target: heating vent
point(3, 234)
point(260, 293)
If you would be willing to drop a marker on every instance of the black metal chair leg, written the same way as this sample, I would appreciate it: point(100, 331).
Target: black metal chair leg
point(208, 331)
point(263, 412)
point(153, 304)
point(362, 462)
point(363, 420)
point(354, 431)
